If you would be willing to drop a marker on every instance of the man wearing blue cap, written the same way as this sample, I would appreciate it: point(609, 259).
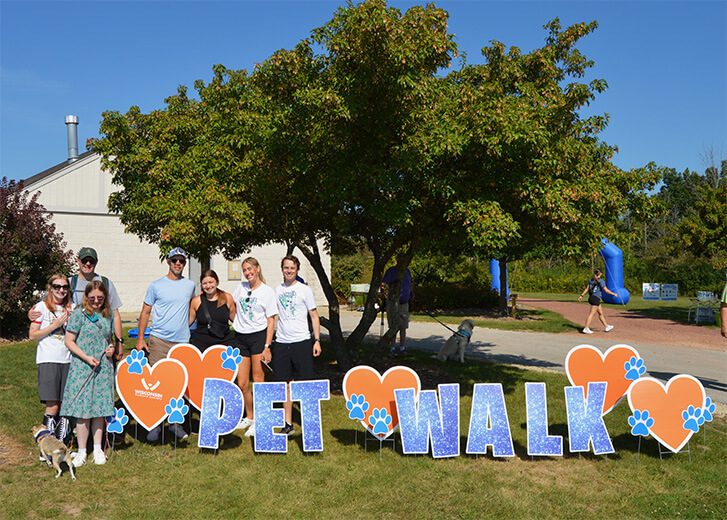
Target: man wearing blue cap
point(169, 299)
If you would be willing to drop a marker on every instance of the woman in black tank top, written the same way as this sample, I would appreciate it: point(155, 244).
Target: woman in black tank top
point(212, 310)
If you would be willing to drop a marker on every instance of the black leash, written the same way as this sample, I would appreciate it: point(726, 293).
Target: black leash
point(458, 333)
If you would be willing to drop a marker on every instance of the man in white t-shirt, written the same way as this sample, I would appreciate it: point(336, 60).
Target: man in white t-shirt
point(292, 351)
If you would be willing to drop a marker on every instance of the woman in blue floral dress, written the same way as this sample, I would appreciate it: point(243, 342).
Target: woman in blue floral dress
point(89, 338)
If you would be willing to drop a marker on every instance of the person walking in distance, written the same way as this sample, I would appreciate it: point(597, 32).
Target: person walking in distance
point(595, 289)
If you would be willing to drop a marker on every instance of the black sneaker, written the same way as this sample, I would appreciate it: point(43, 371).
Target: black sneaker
point(178, 431)
point(287, 429)
point(154, 434)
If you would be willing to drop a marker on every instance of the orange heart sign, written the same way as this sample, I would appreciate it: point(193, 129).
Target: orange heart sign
point(370, 396)
point(145, 390)
point(215, 362)
point(670, 407)
point(586, 364)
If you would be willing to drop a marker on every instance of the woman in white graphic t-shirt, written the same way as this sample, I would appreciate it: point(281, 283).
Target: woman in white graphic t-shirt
point(52, 356)
point(293, 351)
point(254, 325)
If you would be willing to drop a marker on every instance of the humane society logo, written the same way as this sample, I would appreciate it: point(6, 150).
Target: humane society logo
point(149, 392)
point(247, 305)
point(287, 303)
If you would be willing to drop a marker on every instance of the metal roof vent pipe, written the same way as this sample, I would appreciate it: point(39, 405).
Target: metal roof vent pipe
point(72, 132)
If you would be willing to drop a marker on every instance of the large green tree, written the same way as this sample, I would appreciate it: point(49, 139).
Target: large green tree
point(356, 136)
point(535, 168)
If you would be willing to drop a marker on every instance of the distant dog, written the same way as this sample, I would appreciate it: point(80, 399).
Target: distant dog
point(52, 450)
point(458, 342)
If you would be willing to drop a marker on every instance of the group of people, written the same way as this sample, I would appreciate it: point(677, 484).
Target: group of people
point(78, 328)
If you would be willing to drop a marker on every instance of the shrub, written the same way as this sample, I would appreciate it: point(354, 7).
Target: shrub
point(32, 251)
point(445, 296)
point(348, 269)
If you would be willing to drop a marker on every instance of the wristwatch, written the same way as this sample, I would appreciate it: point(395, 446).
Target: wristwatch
point(316, 340)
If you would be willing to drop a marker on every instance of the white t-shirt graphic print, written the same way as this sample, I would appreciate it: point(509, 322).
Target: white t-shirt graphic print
point(294, 303)
point(253, 307)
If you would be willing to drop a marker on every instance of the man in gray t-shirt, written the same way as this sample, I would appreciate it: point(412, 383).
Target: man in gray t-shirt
point(87, 260)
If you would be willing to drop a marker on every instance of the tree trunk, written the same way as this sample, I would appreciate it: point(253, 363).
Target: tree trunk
point(370, 312)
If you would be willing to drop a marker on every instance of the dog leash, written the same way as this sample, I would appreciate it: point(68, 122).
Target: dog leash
point(458, 333)
point(93, 371)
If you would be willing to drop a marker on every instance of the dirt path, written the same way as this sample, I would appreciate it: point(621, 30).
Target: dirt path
point(635, 327)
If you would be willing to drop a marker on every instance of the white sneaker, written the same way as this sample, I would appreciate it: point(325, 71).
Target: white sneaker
point(244, 423)
point(79, 460)
point(609, 328)
point(99, 457)
point(586, 330)
point(251, 430)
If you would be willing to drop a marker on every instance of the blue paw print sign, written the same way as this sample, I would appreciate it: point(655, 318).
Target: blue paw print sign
point(380, 421)
point(116, 422)
point(634, 368)
point(708, 410)
point(357, 407)
point(176, 410)
point(640, 423)
point(693, 418)
point(136, 361)
point(231, 358)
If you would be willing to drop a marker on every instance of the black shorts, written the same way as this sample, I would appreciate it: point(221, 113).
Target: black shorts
point(251, 344)
point(293, 361)
point(594, 300)
point(52, 381)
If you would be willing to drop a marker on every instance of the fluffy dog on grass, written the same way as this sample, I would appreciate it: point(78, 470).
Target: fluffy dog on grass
point(457, 343)
point(52, 450)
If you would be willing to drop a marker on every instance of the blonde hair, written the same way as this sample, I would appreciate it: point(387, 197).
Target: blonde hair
point(92, 286)
point(49, 301)
point(253, 262)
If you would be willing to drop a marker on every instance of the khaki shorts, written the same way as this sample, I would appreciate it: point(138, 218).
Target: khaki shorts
point(400, 321)
point(158, 349)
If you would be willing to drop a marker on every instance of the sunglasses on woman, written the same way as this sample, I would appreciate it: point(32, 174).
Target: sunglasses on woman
point(59, 287)
point(96, 298)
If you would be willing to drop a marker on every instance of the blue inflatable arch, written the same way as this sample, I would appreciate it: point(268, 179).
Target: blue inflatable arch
point(613, 259)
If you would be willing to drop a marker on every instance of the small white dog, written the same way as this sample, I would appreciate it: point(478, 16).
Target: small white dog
point(457, 343)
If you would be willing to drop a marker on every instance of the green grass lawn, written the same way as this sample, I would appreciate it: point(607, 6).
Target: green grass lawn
point(143, 481)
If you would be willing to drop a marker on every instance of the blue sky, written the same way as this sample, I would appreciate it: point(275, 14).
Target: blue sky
point(665, 63)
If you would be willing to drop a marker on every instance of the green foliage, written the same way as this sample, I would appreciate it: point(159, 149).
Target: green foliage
point(704, 231)
point(32, 252)
point(452, 296)
point(349, 269)
point(352, 136)
point(566, 276)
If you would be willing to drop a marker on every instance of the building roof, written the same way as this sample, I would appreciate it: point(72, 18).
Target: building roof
point(53, 169)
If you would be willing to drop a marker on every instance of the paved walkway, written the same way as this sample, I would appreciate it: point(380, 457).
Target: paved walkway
point(535, 349)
